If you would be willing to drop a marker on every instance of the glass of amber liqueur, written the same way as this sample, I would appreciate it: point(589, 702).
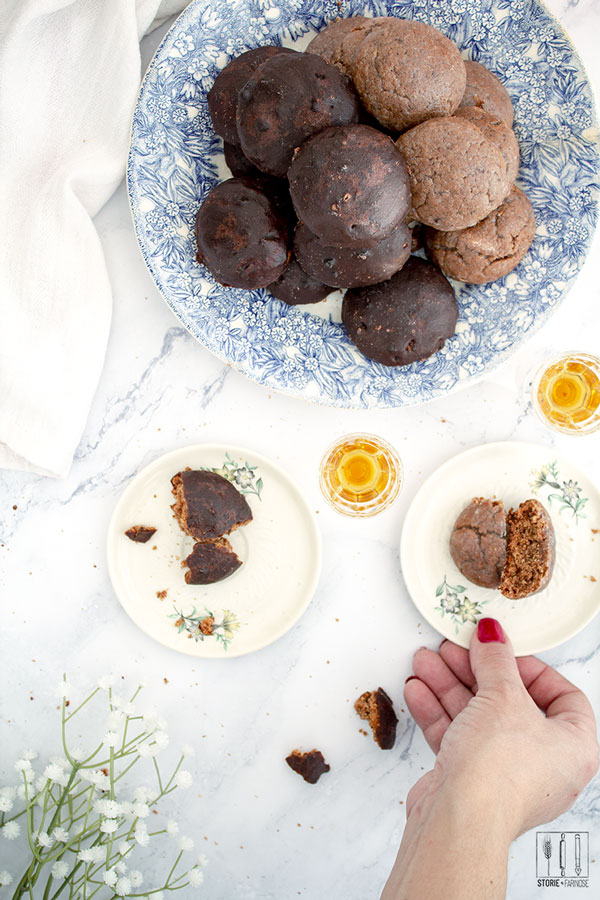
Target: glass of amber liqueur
point(360, 475)
point(565, 393)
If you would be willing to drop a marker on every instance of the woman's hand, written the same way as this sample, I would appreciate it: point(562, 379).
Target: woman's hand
point(515, 744)
point(517, 728)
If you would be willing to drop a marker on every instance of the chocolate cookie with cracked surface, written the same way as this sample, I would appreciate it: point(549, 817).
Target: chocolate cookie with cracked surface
point(402, 320)
point(457, 175)
point(485, 91)
point(242, 234)
point(350, 186)
point(339, 41)
point(489, 250)
point(207, 506)
point(478, 542)
point(348, 267)
point(406, 72)
point(498, 132)
point(288, 99)
point(222, 98)
point(295, 286)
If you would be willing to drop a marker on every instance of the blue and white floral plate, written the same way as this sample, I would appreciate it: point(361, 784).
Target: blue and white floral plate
point(280, 550)
point(513, 472)
point(175, 158)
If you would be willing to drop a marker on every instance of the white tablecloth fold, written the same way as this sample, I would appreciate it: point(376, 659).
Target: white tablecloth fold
point(69, 76)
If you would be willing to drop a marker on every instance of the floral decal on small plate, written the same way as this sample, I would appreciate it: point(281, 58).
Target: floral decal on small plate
point(459, 608)
point(569, 491)
point(202, 625)
point(241, 475)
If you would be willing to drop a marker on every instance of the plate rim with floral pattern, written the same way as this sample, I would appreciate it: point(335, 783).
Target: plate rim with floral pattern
point(215, 628)
point(449, 602)
point(175, 157)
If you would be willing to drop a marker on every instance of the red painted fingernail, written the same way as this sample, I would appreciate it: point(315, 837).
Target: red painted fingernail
point(410, 678)
point(489, 630)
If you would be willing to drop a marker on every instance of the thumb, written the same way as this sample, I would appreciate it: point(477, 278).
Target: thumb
point(492, 658)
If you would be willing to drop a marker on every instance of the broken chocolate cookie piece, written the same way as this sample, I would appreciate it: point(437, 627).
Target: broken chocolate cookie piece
point(377, 708)
point(139, 534)
point(311, 765)
point(207, 506)
point(211, 561)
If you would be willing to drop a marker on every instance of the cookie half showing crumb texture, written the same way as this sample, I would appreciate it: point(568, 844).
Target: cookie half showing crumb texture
point(140, 534)
point(211, 561)
point(478, 542)
point(530, 551)
point(377, 708)
point(311, 765)
point(207, 506)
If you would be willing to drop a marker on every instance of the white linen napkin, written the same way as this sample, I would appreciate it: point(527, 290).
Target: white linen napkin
point(69, 76)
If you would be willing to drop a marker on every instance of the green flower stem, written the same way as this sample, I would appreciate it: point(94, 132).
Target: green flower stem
point(160, 784)
point(82, 704)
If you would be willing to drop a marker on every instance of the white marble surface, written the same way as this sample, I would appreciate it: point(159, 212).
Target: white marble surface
point(268, 835)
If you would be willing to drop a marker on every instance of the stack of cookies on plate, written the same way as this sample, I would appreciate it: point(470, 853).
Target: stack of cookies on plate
point(325, 194)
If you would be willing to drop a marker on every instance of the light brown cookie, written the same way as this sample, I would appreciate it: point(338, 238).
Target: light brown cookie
point(328, 42)
point(457, 175)
point(484, 90)
point(407, 72)
point(488, 250)
point(498, 133)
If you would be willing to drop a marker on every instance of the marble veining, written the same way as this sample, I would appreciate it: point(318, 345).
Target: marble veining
point(268, 835)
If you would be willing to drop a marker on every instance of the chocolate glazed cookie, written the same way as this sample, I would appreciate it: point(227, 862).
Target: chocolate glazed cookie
point(242, 235)
point(404, 319)
point(288, 99)
point(348, 267)
point(350, 186)
point(223, 96)
point(488, 250)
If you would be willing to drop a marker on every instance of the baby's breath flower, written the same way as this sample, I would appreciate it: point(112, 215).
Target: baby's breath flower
point(60, 761)
point(162, 739)
point(196, 877)
point(40, 783)
point(128, 709)
point(143, 794)
point(44, 839)
point(136, 878)
point(24, 766)
point(124, 848)
point(109, 808)
point(202, 860)
point(86, 855)
point(118, 701)
point(186, 844)
point(98, 853)
point(29, 754)
point(123, 886)
point(60, 834)
point(21, 793)
point(10, 831)
point(6, 878)
point(121, 867)
point(141, 810)
point(110, 877)
point(187, 750)
point(172, 828)
point(77, 753)
point(55, 773)
point(8, 791)
point(146, 750)
point(114, 720)
point(106, 682)
point(109, 826)
point(141, 836)
point(110, 739)
point(6, 804)
point(184, 779)
point(100, 780)
point(59, 869)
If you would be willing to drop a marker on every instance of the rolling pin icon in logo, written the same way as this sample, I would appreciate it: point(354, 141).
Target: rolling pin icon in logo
point(577, 854)
point(562, 853)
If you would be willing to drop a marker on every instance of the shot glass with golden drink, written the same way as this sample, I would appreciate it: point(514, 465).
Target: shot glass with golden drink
point(360, 475)
point(566, 393)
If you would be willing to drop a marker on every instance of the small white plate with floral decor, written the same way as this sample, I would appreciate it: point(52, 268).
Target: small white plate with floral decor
point(280, 551)
point(512, 472)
